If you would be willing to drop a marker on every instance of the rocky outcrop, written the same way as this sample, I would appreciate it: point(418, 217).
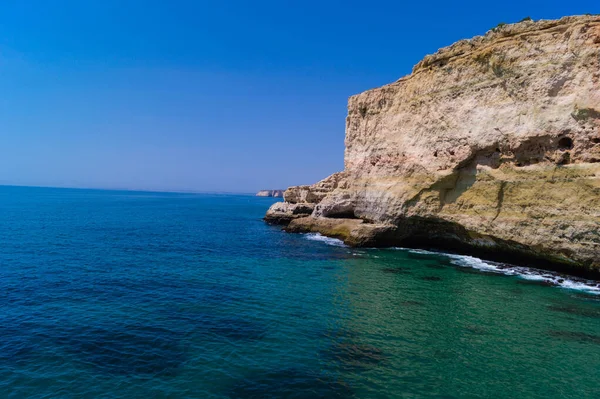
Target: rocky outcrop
point(285, 212)
point(300, 201)
point(315, 193)
point(270, 193)
point(491, 146)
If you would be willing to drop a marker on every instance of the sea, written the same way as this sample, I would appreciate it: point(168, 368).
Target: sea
point(122, 294)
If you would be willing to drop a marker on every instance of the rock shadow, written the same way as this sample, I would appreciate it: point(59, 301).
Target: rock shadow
point(431, 278)
point(476, 330)
point(142, 351)
point(290, 383)
point(215, 326)
point(435, 266)
point(575, 336)
point(353, 356)
point(538, 283)
point(412, 303)
point(587, 297)
point(575, 310)
point(396, 270)
point(339, 334)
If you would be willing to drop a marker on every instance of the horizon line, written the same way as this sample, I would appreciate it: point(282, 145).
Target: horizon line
point(182, 191)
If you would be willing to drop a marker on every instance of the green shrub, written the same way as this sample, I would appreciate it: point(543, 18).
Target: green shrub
point(497, 28)
point(584, 114)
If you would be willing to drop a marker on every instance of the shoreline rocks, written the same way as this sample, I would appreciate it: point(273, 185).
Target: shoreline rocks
point(490, 147)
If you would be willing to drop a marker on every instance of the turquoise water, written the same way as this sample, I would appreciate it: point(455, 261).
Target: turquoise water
point(108, 294)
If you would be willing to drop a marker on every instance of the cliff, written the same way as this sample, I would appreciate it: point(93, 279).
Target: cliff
point(491, 147)
point(270, 193)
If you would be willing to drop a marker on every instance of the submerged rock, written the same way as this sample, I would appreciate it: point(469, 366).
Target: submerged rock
point(396, 270)
point(354, 355)
point(142, 351)
point(290, 383)
point(576, 336)
point(431, 278)
point(576, 310)
point(491, 147)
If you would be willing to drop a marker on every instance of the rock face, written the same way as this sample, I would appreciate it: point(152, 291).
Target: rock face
point(300, 201)
point(491, 146)
point(270, 193)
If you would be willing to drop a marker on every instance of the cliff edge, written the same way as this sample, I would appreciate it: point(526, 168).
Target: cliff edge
point(490, 147)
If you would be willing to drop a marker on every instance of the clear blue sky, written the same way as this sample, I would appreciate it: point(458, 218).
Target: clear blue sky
point(224, 95)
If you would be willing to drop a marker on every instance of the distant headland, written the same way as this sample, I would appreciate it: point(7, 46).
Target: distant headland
point(270, 193)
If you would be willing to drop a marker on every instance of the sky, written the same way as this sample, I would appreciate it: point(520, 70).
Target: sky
point(227, 96)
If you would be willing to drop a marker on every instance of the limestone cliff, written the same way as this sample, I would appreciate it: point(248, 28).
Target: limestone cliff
point(270, 193)
point(491, 146)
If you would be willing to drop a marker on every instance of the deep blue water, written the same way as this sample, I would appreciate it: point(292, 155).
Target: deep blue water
point(108, 294)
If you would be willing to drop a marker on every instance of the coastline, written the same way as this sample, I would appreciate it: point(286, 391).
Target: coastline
point(354, 233)
point(538, 276)
point(482, 151)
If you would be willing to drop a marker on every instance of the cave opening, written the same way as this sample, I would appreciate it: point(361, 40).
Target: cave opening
point(565, 143)
point(342, 215)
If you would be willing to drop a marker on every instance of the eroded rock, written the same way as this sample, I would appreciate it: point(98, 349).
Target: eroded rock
point(284, 212)
point(491, 145)
point(315, 193)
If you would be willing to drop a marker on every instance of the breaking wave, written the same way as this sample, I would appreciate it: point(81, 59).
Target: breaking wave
point(527, 273)
point(327, 240)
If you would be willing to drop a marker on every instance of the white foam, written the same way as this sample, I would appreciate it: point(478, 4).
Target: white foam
point(574, 285)
point(418, 251)
point(527, 273)
point(476, 263)
point(327, 240)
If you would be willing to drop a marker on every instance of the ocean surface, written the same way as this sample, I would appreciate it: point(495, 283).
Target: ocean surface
point(114, 294)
